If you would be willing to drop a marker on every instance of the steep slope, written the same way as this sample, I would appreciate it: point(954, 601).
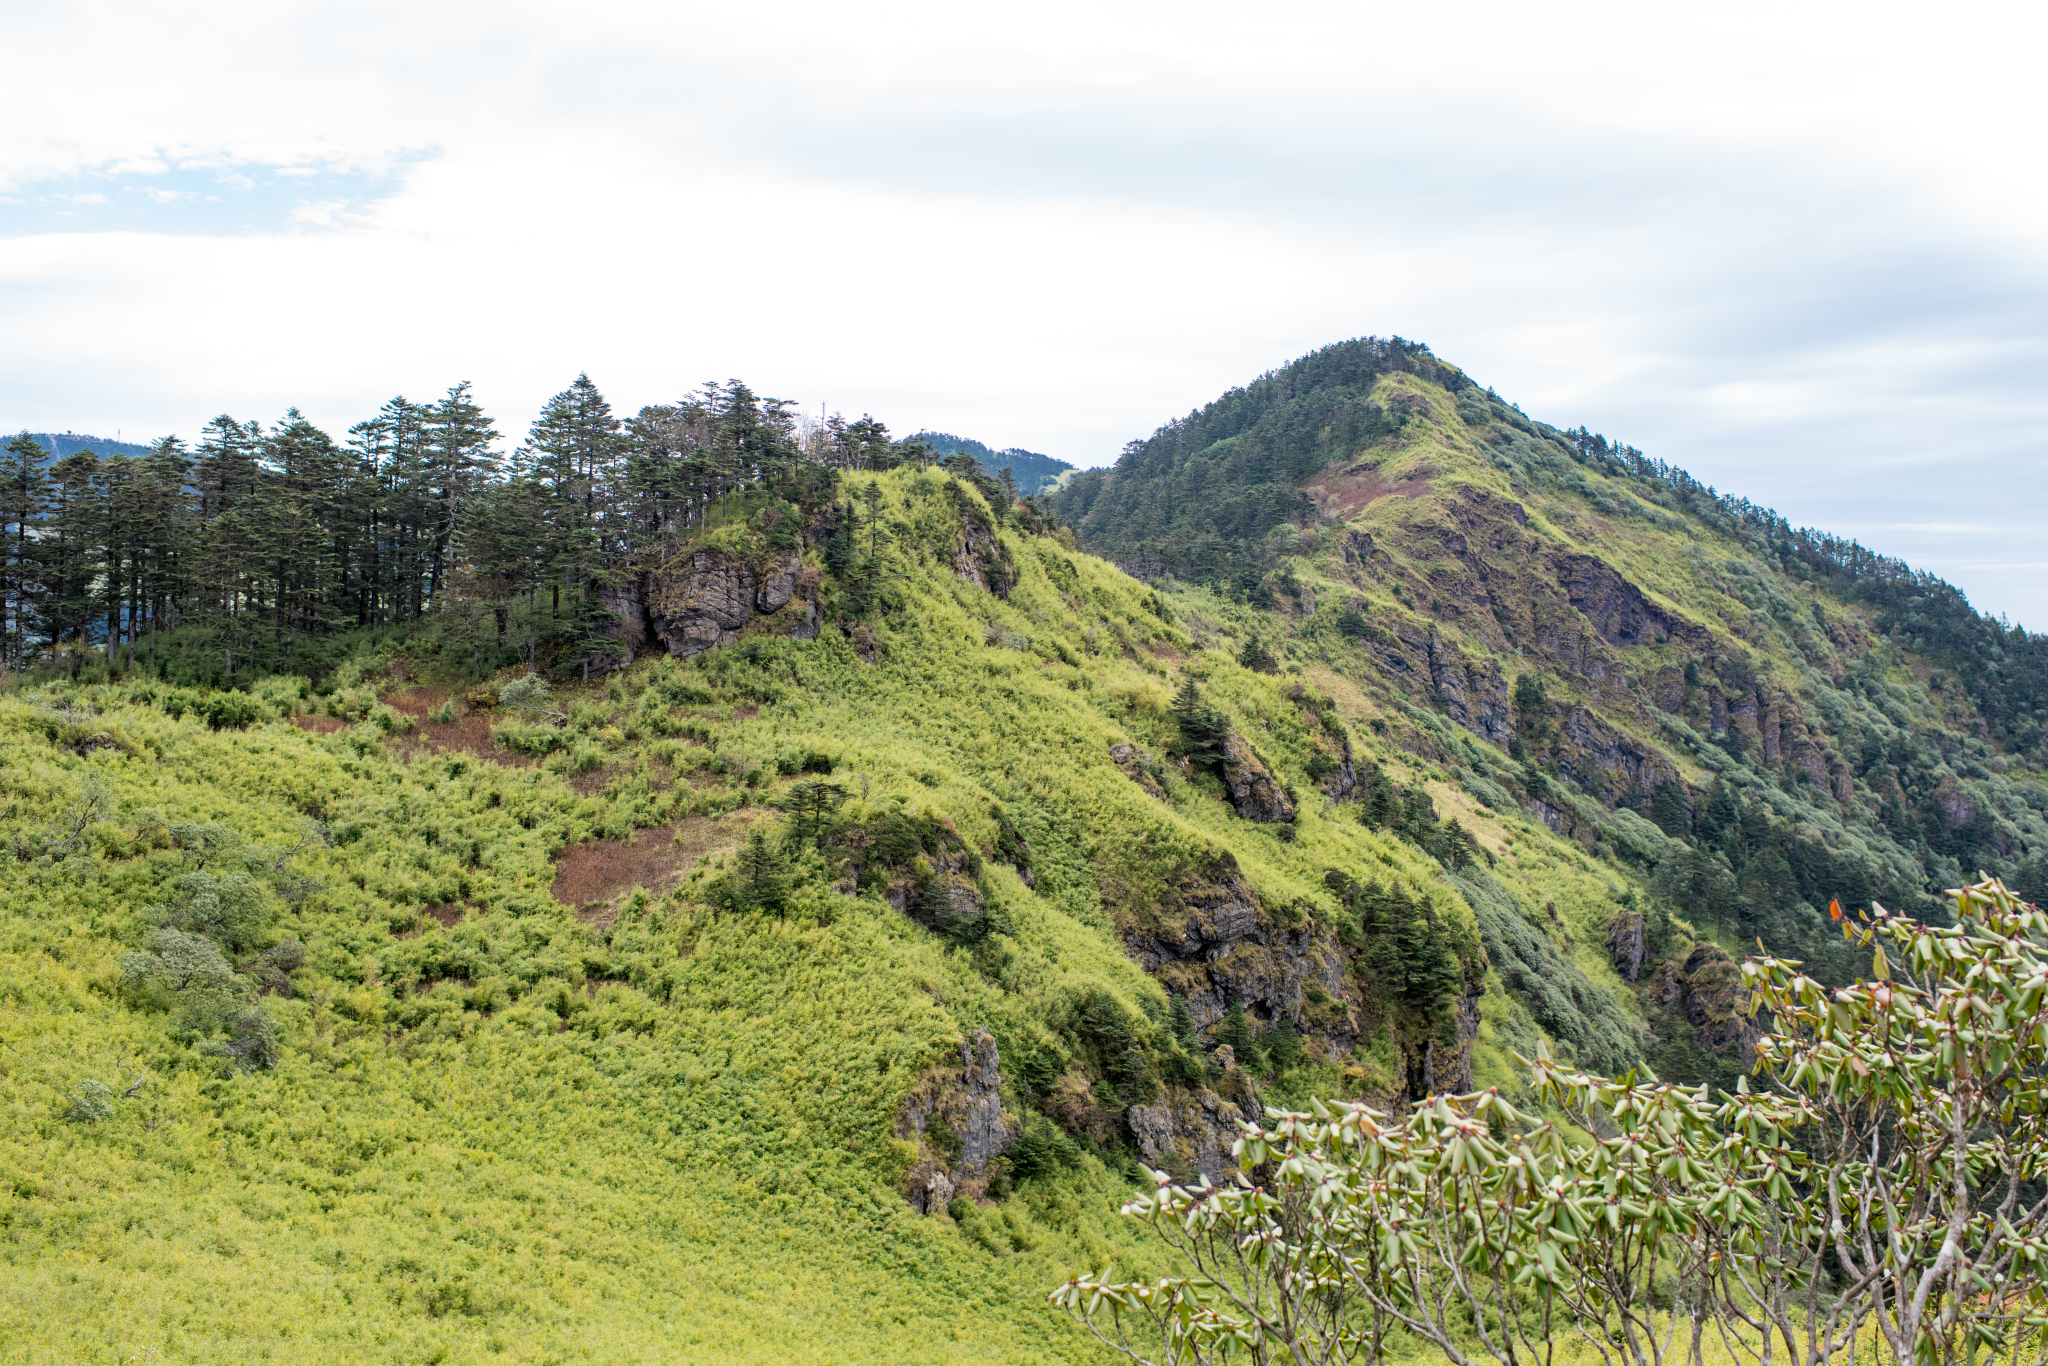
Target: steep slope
point(1745, 720)
point(808, 988)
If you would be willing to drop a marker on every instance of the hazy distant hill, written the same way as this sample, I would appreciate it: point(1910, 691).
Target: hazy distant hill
point(1033, 471)
point(61, 444)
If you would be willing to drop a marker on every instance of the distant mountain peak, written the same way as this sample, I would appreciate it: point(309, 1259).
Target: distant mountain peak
point(61, 444)
point(1034, 472)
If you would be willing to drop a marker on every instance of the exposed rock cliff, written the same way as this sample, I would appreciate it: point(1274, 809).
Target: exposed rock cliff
point(1140, 767)
point(1252, 788)
point(1626, 944)
point(1707, 986)
point(982, 558)
point(954, 1115)
point(1214, 946)
point(1188, 1134)
point(701, 599)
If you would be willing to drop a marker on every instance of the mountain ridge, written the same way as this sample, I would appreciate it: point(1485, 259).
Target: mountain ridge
point(792, 941)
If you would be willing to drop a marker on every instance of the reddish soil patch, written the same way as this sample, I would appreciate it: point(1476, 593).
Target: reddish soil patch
point(592, 876)
point(449, 913)
point(319, 725)
point(469, 732)
point(1343, 492)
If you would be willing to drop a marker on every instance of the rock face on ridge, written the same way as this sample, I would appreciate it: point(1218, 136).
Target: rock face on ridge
point(1626, 945)
point(1707, 987)
point(981, 558)
point(1253, 791)
point(700, 599)
point(954, 1115)
point(1188, 1134)
point(1217, 949)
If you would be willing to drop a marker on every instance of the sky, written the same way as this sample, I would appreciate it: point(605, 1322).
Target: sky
point(1800, 250)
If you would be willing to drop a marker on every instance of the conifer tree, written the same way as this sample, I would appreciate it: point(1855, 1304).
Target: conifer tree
point(70, 548)
point(167, 531)
point(763, 872)
point(456, 444)
point(1203, 729)
point(23, 488)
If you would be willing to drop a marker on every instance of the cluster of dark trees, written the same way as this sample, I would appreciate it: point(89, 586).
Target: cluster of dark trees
point(1384, 804)
point(1196, 498)
point(269, 539)
point(1739, 871)
point(1404, 947)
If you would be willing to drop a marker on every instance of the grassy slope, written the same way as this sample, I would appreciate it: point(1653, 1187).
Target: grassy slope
point(668, 1138)
point(1748, 608)
point(655, 1134)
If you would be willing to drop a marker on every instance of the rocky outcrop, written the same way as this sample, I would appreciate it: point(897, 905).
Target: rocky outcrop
point(954, 1116)
point(982, 559)
point(1252, 788)
point(1187, 1134)
point(700, 599)
point(1706, 986)
point(1610, 763)
point(1473, 692)
point(1439, 1066)
point(1340, 782)
point(1625, 944)
point(962, 901)
point(867, 646)
point(1139, 767)
point(1617, 609)
point(1214, 946)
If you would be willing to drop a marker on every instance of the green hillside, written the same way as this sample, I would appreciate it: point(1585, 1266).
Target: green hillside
point(558, 1080)
point(687, 895)
point(1752, 718)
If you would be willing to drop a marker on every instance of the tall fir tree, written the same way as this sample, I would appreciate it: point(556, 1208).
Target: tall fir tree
point(23, 489)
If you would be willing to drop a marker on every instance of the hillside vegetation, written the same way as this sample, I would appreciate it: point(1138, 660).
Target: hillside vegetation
point(711, 889)
point(554, 1072)
point(1749, 719)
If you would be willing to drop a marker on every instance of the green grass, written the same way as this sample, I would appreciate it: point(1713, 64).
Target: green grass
point(664, 1136)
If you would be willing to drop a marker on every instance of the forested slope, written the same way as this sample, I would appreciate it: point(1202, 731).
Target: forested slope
point(1754, 719)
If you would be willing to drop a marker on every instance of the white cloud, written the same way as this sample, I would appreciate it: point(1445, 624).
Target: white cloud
point(1789, 248)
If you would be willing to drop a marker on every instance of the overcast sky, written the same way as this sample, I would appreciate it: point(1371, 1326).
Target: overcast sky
point(1800, 250)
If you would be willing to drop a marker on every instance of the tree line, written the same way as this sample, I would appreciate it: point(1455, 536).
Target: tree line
point(2003, 667)
point(270, 539)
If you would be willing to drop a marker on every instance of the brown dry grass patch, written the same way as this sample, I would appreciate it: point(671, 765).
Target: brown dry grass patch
point(1343, 492)
point(417, 702)
point(592, 876)
point(469, 732)
point(449, 913)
